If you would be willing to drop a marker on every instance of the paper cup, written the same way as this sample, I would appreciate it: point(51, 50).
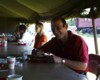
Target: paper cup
point(11, 62)
point(14, 77)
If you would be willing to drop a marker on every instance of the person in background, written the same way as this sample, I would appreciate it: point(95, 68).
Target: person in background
point(67, 48)
point(19, 32)
point(40, 38)
point(3, 38)
point(22, 29)
point(16, 35)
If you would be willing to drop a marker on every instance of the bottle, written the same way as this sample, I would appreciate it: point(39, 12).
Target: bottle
point(24, 55)
point(4, 41)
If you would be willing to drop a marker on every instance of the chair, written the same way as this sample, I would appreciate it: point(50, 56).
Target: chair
point(94, 65)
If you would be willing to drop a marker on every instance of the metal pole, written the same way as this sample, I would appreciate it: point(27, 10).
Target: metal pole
point(95, 36)
point(93, 16)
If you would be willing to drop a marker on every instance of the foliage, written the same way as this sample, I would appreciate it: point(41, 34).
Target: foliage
point(71, 22)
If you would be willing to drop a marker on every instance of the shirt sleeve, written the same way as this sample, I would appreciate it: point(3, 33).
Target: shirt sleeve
point(49, 46)
point(82, 50)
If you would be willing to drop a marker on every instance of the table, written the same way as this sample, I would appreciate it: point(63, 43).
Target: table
point(37, 71)
point(13, 49)
point(43, 71)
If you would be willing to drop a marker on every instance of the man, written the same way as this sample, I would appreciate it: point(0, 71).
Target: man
point(19, 32)
point(22, 29)
point(68, 48)
point(3, 38)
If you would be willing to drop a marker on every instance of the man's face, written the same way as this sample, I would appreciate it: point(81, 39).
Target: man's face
point(59, 29)
point(21, 31)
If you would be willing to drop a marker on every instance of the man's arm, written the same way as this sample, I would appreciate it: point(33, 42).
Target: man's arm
point(77, 65)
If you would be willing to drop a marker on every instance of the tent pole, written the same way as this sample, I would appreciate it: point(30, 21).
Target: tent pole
point(95, 36)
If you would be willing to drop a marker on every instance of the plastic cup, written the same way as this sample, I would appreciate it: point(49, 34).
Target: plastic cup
point(11, 62)
point(14, 77)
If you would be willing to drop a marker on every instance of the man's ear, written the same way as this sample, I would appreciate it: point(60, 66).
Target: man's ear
point(66, 26)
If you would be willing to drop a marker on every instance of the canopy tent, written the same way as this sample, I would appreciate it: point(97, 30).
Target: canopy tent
point(34, 10)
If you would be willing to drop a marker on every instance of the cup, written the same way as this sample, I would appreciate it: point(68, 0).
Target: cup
point(11, 71)
point(11, 62)
point(14, 77)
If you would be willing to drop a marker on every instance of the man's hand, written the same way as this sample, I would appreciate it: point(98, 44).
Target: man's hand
point(37, 53)
point(57, 59)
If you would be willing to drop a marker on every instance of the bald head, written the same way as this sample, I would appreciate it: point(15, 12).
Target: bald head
point(59, 18)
